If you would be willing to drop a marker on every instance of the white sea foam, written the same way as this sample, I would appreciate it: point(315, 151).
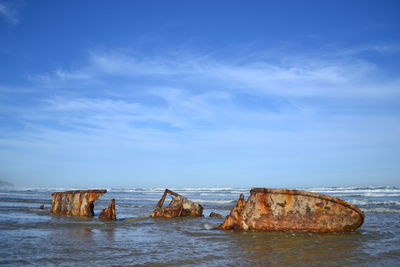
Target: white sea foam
point(218, 194)
point(367, 188)
point(208, 189)
point(136, 190)
point(373, 202)
point(382, 194)
point(379, 192)
point(368, 195)
point(138, 199)
point(382, 210)
point(208, 226)
point(357, 191)
point(214, 201)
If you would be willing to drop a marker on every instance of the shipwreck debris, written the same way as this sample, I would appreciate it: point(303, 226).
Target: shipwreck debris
point(214, 214)
point(178, 207)
point(292, 210)
point(75, 202)
point(109, 213)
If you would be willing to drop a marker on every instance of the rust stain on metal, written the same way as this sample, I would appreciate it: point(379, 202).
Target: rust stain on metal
point(282, 204)
point(178, 207)
point(75, 202)
point(293, 210)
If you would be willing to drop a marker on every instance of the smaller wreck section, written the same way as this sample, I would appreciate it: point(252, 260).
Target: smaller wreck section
point(76, 202)
point(215, 215)
point(292, 210)
point(178, 207)
point(109, 214)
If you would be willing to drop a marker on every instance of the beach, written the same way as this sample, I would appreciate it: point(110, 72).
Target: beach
point(33, 236)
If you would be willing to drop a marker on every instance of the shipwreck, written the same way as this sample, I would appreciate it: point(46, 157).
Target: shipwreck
point(292, 210)
point(77, 202)
point(178, 207)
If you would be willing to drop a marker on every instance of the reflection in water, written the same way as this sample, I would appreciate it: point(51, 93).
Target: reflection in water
point(293, 247)
point(82, 233)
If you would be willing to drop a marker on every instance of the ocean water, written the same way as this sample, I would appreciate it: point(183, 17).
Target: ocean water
point(31, 236)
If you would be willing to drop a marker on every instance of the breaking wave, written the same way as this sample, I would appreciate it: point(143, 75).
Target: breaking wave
point(381, 210)
point(373, 202)
point(214, 201)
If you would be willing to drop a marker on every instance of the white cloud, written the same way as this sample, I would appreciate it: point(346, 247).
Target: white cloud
point(310, 77)
point(9, 14)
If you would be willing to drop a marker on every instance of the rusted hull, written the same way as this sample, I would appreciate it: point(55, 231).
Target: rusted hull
point(293, 210)
point(76, 202)
point(178, 207)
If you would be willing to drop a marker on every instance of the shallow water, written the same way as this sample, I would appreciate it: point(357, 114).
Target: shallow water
point(30, 236)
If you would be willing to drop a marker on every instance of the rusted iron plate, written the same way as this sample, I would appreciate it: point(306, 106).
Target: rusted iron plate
point(293, 210)
point(75, 202)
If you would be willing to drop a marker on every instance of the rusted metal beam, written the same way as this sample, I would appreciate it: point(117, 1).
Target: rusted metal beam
point(178, 207)
point(166, 192)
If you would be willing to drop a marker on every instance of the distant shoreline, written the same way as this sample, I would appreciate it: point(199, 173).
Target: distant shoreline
point(6, 184)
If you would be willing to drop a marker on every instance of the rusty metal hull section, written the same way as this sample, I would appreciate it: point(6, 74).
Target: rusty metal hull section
point(293, 210)
point(178, 207)
point(75, 202)
point(109, 214)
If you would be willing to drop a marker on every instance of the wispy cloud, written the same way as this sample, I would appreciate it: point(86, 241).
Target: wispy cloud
point(172, 109)
point(9, 14)
point(204, 91)
point(385, 48)
point(310, 77)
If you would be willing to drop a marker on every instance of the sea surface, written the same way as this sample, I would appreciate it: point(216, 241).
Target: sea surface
point(32, 236)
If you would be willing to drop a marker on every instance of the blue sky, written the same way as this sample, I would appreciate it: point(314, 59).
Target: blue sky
point(199, 93)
